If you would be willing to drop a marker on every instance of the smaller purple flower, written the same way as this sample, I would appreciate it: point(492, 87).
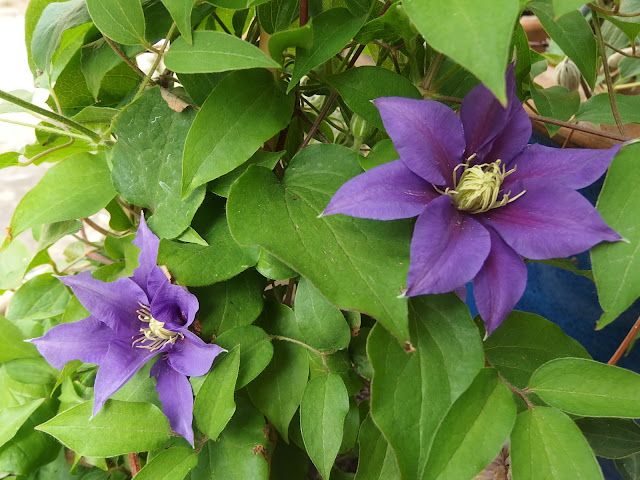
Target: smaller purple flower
point(483, 197)
point(133, 320)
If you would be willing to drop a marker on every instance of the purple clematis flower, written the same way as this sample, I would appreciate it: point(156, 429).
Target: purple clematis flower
point(132, 320)
point(483, 197)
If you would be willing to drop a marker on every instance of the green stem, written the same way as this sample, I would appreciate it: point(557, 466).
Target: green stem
point(308, 347)
point(47, 129)
point(607, 75)
point(159, 56)
point(93, 136)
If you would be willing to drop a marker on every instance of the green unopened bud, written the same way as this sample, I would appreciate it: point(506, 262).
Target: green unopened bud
point(360, 128)
point(568, 74)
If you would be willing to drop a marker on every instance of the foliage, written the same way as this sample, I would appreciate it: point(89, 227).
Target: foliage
point(231, 145)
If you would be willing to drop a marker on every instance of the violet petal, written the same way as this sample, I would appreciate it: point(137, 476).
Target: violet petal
point(117, 367)
point(517, 132)
point(191, 356)
point(148, 258)
point(500, 282)
point(387, 192)
point(427, 135)
point(573, 167)
point(113, 303)
point(448, 248)
point(87, 340)
point(174, 306)
point(483, 119)
point(549, 221)
point(176, 396)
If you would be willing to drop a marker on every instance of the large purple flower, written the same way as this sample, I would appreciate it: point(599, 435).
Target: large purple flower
point(133, 320)
point(483, 197)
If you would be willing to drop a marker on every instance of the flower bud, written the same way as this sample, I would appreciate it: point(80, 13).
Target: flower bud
point(568, 74)
point(360, 127)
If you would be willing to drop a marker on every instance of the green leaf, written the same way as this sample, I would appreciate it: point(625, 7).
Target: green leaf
point(221, 185)
point(147, 162)
point(12, 344)
point(9, 159)
point(14, 263)
point(12, 418)
point(288, 462)
point(585, 387)
point(120, 20)
point(597, 109)
point(278, 390)
point(270, 267)
point(629, 467)
point(180, 11)
point(14, 393)
point(244, 110)
point(562, 7)
point(359, 86)
point(524, 342)
point(555, 102)
point(616, 266)
point(482, 33)
point(546, 444)
point(120, 427)
point(230, 304)
point(321, 324)
point(52, 232)
point(277, 15)
point(629, 25)
point(611, 437)
point(295, 37)
point(200, 265)
point(171, 464)
point(377, 460)
point(29, 449)
point(473, 431)
point(72, 41)
point(31, 370)
point(200, 85)
point(215, 52)
point(573, 35)
point(77, 187)
point(140, 388)
point(412, 392)
point(54, 21)
point(357, 264)
point(351, 427)
point(214, 403)
point(240, 452)
point(256, 351)
point(332, 30)
point(322, 411)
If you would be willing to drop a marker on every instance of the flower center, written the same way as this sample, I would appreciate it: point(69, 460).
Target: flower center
point(155, 333)
point(479, 187)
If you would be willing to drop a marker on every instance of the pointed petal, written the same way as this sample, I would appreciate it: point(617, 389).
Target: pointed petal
point(117, 367)
point(427, 135)
point(549, 221)
point(174, 391)
point(573, 167)
point(447, 249)
point(191, 356)
point(113, 303)
point(492, 131)
point(500, 282)
point(87, 340)
point(387, 192)
point(174, 306)
point(148, 258)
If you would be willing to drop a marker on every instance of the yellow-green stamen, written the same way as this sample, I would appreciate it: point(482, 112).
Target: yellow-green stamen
point(478, 188)
point(155, 332)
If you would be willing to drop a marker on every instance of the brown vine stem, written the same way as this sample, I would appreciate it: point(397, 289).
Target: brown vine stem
point(159, 55)
point(621, 52)
point(97, 227)
point(334, 94)
point(540, 118)
point(520, 393)
point(304, 12)
point(121, 54)
point(615, 13)
point(625, 343)
point(135, 464)
point(607, 75)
